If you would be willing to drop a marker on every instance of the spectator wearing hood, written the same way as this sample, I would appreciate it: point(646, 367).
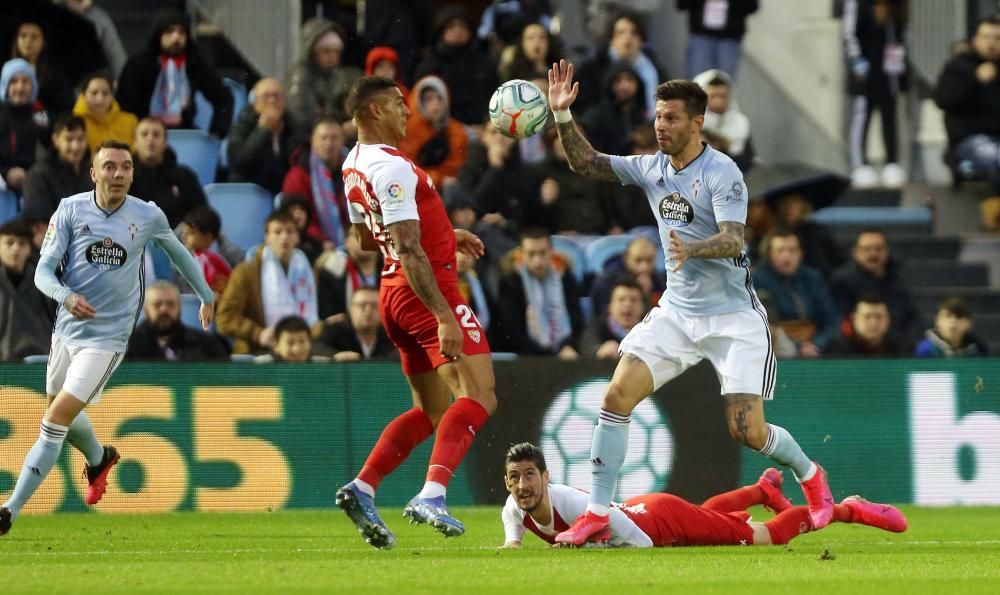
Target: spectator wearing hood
point(55, 91)
point(21, 127)
point(263, 138)
point(318, 82)
point(383, 61)
point(462, 63)
point(316, 176)
point(952, 334)
point(621, 110)
point(107, 33)
point(724, 118)
point(101, 113)
point(157, 175)
point(434, 140)
point(26, 314)
point(715, 34)
point(63, 171)
point(625, 38)
point(161, 81)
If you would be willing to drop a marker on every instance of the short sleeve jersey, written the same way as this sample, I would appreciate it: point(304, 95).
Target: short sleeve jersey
point(101, 255)
point(692, 201)
point(384, 187)
point(567, 504)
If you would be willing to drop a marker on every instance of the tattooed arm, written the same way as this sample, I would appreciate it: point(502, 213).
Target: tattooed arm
point(420, 276)
point(728, 243)
point(582, 157)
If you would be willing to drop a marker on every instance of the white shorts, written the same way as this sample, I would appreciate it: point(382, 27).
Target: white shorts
point(80, 371)
point(737, 343)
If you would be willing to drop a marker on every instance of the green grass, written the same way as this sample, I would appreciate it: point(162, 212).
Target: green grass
point(953, 550)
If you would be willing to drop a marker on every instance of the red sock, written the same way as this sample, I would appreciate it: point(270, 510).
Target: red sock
point(789, 524)
point(454, 436)
point(736, 500)
point(397, 441)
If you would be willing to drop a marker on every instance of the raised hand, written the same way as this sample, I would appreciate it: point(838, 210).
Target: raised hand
point(469, 243)
point(562, 89)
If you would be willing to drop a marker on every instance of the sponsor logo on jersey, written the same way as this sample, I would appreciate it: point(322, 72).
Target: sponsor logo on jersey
point(106, 255)
point(50, 232)
point(395, 191)
point(676, 211)
point(86, 230)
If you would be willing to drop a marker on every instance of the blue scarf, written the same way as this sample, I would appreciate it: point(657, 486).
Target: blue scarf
point(325, 200)
point(172, 92)
point(547, 316)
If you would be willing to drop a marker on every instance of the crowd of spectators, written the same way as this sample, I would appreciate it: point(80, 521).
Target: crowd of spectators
point(309, 293)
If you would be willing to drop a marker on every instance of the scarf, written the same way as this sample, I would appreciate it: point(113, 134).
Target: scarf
point(291, 294)
point(476, 297)
point(325, 200)
point(646, 71)
point(547, 316)
point(172, 92)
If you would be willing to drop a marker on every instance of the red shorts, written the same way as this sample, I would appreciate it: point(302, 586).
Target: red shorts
point(414, 330)
point(674, 522)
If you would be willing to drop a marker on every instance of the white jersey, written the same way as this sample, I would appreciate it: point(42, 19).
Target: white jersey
point(568, 503)
point(692, 201)
point(101, 256)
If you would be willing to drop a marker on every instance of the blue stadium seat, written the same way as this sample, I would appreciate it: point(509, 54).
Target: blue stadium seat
point(571, 250)
point(603, 249)
point(239, 96)
point(204, 112)
point(242, 208)
point(8, 206)
point(190, 304)
point(197, 150)
point(37, 359)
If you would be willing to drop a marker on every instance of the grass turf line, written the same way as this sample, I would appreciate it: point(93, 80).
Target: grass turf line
point(946, 550)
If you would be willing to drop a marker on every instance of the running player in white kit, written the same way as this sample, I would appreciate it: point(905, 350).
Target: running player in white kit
point(97, 239)
point(709, 310)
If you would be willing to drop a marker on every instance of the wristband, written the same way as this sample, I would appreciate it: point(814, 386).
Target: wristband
point(562, 116)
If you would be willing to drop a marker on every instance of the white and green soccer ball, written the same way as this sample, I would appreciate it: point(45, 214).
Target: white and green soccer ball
point(518, 108)
point(568, 428)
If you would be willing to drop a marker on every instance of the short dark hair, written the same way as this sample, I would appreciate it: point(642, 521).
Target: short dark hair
point(694, 97)
point(872, 298)
point(777, 232)
point(525, 451)
point(18, 228)
point(290, 324)
point(85, 82)
point(363, 92)
point(113, 144)
point(533, 232)
point(629, 15)
point(955, 306)
point(870, 230)
point(628, 282)
point(992, 20)
point(279, 216)
point(327, 121)
point(204, 219)
point(68, 122)
point(718, 81)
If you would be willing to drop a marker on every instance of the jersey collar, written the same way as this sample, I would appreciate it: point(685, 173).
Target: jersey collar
point(107, 214)
point(704, 149)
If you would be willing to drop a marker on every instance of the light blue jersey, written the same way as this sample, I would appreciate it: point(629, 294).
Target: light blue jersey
point(101, 255)
point(692, 201)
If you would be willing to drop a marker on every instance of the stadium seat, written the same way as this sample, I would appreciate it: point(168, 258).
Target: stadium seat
point(239, 96)
point(242, 208)
point(37, 359)
point(8, 206)
point(571, 250)
point(243, 358)
point(204, 113)
point(197, 150)
point(603, 249)
point(190, 304)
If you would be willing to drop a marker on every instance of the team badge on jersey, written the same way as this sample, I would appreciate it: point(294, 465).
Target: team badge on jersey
point(106, 255)
point(676, 211)
point(395, 191)
point(475, 335)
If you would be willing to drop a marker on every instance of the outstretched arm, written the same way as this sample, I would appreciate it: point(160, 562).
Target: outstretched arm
point(728, 243)
point(582, 157)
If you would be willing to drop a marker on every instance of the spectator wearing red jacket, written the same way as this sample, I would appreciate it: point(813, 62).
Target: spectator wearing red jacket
point(316, 174)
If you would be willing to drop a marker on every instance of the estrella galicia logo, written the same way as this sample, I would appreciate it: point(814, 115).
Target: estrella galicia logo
point(676, 211)
point(106, 255)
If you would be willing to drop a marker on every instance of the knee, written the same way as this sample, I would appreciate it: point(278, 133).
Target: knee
point(753, 436)
point(618, 400)
point(488, 399)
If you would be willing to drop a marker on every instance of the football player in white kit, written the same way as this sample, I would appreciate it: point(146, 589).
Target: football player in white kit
point(97, 239)
point(709, 310)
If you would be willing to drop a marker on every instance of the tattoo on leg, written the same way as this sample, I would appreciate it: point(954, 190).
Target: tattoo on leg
point(739, 409)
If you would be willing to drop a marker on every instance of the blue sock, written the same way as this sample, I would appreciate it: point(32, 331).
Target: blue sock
point(784, 450)
point(81, 435)
point(37, 464)
point(607, 454)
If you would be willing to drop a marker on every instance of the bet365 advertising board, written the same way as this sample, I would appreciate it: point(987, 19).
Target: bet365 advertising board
point(229, 437)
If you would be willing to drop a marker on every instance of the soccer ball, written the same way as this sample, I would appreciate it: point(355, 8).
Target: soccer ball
point(518, 108)
point(567, 429)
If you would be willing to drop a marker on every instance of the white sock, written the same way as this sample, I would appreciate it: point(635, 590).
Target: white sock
point(364, 487)
point(809, 474)
point(598, 509)
point(432, 489)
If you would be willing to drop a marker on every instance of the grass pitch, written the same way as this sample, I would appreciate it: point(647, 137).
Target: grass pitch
point(952, 550)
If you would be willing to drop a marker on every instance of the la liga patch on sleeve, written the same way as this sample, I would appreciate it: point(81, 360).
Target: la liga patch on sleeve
point(396, 192)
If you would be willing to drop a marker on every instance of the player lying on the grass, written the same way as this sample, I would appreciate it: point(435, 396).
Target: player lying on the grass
point(665, 520)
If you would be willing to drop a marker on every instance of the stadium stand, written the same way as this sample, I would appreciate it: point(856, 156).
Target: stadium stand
point(8, 206)
point(242, 208)
point(569, 248)
point(197, 150)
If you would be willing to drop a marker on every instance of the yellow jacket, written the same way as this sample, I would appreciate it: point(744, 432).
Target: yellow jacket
point(114, 125)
